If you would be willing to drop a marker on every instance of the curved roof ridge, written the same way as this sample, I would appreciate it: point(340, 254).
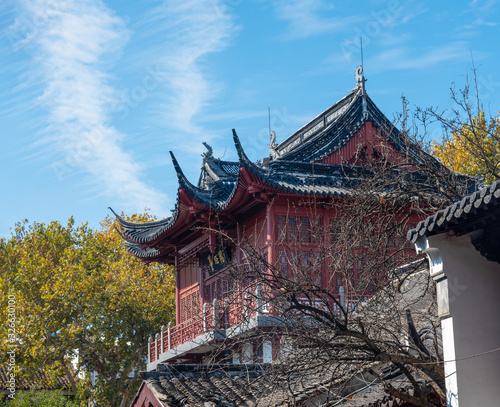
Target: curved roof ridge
point(312, 144)
point(143, 253)
point(183, 181)
point(123, 221)
point(330, 116)
point(398, 138)
point(147, 231)
point(204, 196)
point(239, 149)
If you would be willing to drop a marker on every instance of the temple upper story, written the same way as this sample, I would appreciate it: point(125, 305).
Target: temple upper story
point(323, 158)
point(287, 207)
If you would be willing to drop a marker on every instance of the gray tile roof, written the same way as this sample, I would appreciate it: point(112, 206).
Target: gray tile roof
point(40, 380)
point(215, 169)
point(222, 385)
point(252, 386)
point(193, 385)
point(371, 396)
point(482, 208)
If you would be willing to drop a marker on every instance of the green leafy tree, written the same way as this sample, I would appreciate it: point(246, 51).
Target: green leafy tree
point(38, 398)
point(79, 296)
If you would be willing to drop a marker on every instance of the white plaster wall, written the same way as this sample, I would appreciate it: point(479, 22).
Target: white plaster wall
point(474, 297)
point(267, 352)
point(247, 353)
point(450, 366)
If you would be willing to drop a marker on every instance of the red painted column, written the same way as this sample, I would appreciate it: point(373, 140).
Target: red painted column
point(270, 237)
point(201, 280)
point(177, 290)
point(270, 233)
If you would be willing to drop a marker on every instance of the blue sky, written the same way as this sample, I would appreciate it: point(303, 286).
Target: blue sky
point(94, 93)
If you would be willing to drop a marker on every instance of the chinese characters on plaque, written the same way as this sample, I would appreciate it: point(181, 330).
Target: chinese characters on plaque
point(216, 261)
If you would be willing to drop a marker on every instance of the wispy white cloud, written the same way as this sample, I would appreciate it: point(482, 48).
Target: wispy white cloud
point(409, 58)
point(185, 34)
point(306, 18)
point(73, 43)
point(481, 22)
point(483, 5)
point(410, 12)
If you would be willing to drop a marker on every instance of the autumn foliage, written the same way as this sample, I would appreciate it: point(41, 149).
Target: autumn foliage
point(82, 305)
point(472, 148)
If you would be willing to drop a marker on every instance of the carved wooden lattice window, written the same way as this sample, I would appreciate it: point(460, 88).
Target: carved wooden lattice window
point(190, 305)
point(283, 263)
point(293, 229)
point(281, 228)
point(305, 258)
point(219, 288)
point(294, 259)
point(298, 229)
point(335, 230)
point(295, 263)
point(316, 230)
point(339, 281)
point(316, 268)
point(305, 230)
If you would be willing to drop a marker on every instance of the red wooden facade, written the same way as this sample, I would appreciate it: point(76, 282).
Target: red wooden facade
point(261, 204)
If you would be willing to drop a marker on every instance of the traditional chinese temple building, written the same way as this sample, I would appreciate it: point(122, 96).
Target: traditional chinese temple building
point(260, 202)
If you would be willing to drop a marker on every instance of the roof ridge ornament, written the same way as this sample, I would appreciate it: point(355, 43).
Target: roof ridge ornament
point(183, 181)
point(273, 147)
point(360, 79)
point(241, 154)
point(210, 151)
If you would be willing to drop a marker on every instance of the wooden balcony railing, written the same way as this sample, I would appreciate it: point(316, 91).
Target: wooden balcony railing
point(215, 316)
point(222, 316)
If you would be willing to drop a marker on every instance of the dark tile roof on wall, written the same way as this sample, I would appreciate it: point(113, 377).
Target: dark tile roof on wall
point(250, 386)
point(472, 212)
point(193, 385)
point(370, 396)
point(40, 381)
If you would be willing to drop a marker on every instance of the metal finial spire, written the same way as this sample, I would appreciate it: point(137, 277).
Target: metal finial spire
point(361, 47)
point(269, 118)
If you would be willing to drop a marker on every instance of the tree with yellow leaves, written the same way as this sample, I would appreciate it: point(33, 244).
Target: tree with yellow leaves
point(473, 148)
point(471, 140)
point(79, 301)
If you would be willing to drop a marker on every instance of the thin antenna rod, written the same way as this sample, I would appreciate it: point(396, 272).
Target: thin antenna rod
point(269, 118)
point(361, 43)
